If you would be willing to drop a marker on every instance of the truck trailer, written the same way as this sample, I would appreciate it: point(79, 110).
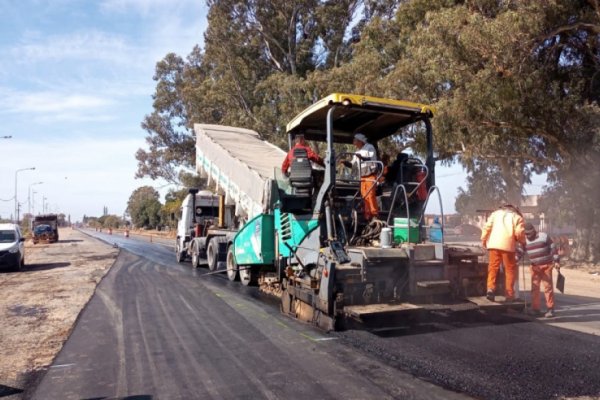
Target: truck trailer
point(304, 238)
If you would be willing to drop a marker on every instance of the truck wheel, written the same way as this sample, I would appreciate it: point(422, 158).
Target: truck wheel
point(248, 276)
point(212, 254)
point(232, 268)
point(195, 257)
point(180, 255)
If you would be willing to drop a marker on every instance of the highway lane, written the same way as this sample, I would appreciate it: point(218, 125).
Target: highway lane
point(488, 356)
point(158, 329)
point(176, 333)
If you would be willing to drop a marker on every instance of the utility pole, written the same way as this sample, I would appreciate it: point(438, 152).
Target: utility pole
point(33, 192)
point(16, 173)
point(29, 196)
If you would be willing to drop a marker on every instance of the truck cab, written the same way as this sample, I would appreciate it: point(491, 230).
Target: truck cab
point(44, 228)
point(199, 211)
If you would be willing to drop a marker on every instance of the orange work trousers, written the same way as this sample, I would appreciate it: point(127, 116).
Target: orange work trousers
point(369, 194)
point(510, 271)
point(541, 274)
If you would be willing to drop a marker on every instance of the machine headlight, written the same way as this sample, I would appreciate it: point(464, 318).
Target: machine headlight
point(14, 250)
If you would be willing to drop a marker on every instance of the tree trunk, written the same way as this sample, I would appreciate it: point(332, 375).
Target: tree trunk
point(586, 243)
point(513, 175)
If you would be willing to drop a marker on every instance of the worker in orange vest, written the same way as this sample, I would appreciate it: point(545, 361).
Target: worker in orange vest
point(503, 229)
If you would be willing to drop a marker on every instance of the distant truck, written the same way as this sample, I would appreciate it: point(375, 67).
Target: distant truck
point(44, 228)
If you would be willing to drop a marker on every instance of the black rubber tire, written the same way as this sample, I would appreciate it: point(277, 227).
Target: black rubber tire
point(179, 255)
point(195, 257)
point(212, 254)
point(232, 268)
point(248, 276)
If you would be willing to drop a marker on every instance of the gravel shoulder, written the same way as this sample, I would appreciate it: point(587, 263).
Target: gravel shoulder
point(40, 304)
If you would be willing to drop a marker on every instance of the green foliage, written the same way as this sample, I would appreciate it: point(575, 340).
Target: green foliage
point(254, 72)
point(516, 84)
point(110, 221)
point(144, 207)
point(169, 212)
point(484, 191)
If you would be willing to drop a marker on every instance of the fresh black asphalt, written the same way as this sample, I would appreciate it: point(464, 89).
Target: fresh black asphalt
point(156, 329)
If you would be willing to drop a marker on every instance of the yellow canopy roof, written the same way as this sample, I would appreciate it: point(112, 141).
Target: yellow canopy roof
point(374, 117)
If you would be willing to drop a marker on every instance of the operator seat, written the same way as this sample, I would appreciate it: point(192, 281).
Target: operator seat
point(301, 183)
point(301, 178)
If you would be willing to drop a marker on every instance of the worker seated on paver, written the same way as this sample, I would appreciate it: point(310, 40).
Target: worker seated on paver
point(300, 143)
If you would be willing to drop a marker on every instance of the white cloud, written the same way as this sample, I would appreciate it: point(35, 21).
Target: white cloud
point(52, 102)
point(90, 46)
point(51, 107)
point(176, 26)
point(143, 7)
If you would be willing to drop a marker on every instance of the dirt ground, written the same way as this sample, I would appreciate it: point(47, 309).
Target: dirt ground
point(580, 279)
point(40, 304)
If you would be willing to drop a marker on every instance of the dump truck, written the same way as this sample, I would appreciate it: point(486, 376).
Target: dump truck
point(44, 228)
point(304, 237)
point(239, 166)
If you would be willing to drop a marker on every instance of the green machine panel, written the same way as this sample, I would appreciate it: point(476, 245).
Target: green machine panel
point(254, 244)
point(292, 229)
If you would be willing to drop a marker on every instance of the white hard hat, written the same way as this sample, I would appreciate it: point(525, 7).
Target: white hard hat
point(361, 137)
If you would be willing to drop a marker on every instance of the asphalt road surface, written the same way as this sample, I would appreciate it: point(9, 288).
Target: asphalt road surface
point(158, 329)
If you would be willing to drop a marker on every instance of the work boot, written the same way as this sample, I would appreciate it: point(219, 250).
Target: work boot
point(549, 313)
point(490, 295)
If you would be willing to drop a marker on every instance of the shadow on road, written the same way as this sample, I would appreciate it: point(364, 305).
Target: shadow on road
point(70, 241)
point(9, 391)
point(46, 266)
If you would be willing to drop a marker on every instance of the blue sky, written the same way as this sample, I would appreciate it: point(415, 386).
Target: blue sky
point(75, 84)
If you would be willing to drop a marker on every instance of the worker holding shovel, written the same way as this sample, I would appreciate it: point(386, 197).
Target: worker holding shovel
point(543, 255)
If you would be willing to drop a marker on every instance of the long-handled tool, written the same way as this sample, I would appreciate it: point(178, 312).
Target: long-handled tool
point(523, 275)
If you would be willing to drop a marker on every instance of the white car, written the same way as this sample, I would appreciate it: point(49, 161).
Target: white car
point(12, 247)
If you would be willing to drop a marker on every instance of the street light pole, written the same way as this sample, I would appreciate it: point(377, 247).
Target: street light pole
point(44, 198)
point(16, 207)
point(29, 196)
point(33, 192)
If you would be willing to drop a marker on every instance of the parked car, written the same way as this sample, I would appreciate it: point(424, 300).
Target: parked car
point(467, 230)
point(12, 247)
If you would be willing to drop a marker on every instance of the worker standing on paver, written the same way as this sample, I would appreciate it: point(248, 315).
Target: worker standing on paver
point(502, 231)
point(363, 160)
point(543, 254)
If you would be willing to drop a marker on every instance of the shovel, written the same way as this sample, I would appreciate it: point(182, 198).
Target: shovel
point(560, 282)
